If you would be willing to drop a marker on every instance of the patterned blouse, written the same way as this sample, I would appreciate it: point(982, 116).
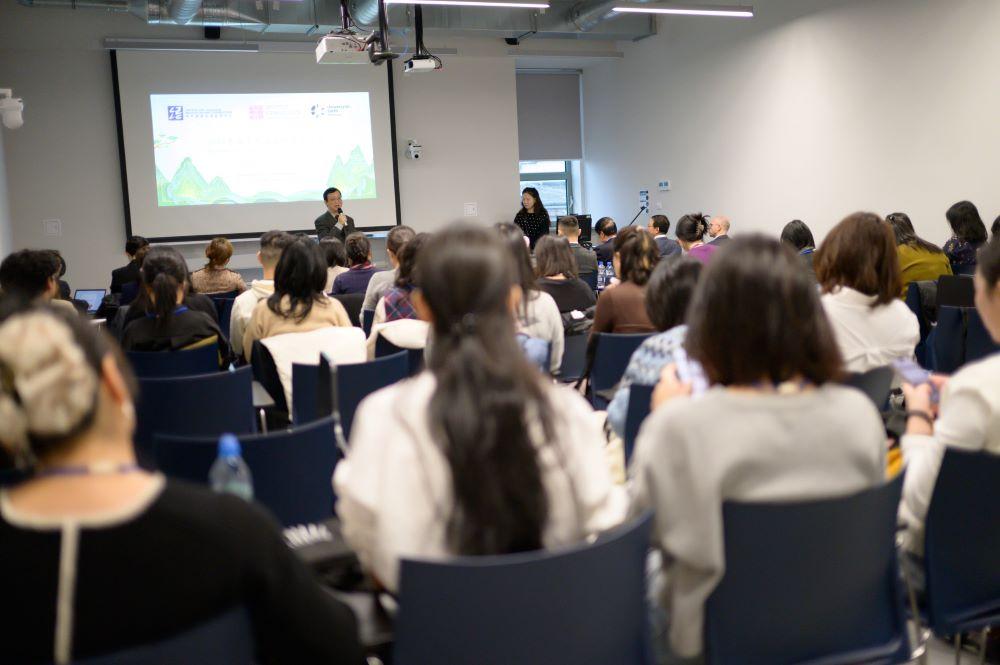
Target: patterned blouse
point(644, 369)
point(217, 280)
point(961, 252)
point(533, 224)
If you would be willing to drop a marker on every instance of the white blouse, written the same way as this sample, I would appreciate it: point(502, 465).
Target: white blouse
point(970, 420)
point(394, 487)
point(870, 337)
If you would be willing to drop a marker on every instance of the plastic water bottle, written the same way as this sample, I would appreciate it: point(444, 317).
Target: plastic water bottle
point(229, 473)
point(600, 276)
point(609, 273)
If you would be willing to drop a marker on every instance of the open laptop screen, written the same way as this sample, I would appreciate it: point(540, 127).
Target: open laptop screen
point(92, 297)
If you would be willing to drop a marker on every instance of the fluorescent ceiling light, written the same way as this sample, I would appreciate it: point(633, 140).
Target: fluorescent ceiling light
point(735, 11)
point(513, 4)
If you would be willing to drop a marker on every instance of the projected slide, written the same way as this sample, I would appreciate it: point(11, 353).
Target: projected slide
point(260, 148)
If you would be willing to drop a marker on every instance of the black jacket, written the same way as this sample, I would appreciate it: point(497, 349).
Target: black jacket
point(605, 251)
point(326, 227)
point(184, 329)
point(124, 275)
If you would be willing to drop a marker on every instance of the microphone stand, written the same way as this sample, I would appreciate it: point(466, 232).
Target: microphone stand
point(641, 210)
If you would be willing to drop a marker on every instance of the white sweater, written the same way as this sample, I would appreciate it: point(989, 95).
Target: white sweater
point(243, 308)
point(870, 337)
point(693, 454)
point(542, 320)
point(970, 420)
point(394, 487)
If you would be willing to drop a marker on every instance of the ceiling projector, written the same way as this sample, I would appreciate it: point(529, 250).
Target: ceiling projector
point(421, 64)
point(342, 48)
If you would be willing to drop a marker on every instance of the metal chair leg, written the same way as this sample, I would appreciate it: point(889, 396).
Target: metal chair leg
point(982, 645)
point(958, 648)
point(263, 421)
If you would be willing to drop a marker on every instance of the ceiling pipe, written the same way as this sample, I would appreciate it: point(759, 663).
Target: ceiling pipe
point(182, 11)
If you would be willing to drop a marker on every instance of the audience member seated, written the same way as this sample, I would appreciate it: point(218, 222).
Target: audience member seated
point(142, 305)
point(798, 236)
point(383, 280)
point(919, 260)
point(622, 308)
point(479, 455)
point(271, 245)
point(130, 272)
point(659, 226)
point(775, 426)
point(298, 303)
point(215, 277)
point(606, 231)
point(359, 258)
point(691, 230)
point(397, 304)
point(667, 297)
point(968, 235)
point(32, 275)
point(718, 230)
point(586, 260)
point(169, 324)
point(336, 259)
point(538, 314)
point(65, 292)
point(965, 418)
point(858, 271)
point(555, 267)
point(102, 555)
point(995, 230)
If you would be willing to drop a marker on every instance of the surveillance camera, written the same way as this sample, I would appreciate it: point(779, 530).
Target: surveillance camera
point(413, 149)
point(11, 109)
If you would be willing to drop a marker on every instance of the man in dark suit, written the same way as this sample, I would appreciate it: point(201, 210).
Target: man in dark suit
point(129, 273)
point(718, 230)
point(334, 223)
point(606, 230)
point(658, 226)
point(586, 261)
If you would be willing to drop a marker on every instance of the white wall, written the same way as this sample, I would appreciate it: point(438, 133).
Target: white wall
point(63, 164)
point(813, 109)
point(6, 241)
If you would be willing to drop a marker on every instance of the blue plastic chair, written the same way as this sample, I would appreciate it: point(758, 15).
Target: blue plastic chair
point(291, 469)
point(224, 307)
point(978, 342)
point(161, 364)
point(810, 582)
point(591, 279)
point(311, 401)
point(265, 372)
point(415, 357)
point(961, 542)
point(611, 356)
point(367, 321)
point(200, 405)
point(914, 301)
point(639, 399)
point(876, 384)
point(352, 302)
point(956, 291)
point(223, 640)
point(584, 605)
point(947, 341)
point(574, 360)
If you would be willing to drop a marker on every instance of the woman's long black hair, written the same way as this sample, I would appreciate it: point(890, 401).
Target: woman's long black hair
point(905, 234)
point(163, 271)
point(539, 206)
point(300, 275)
point(489, 410)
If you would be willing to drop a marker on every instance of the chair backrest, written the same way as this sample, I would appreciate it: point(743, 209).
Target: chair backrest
point(961, 541)
point(352, 302)
point(947, 342)
point(341, 344)
point(160, 364)
point(414, 357)
point(968, 270)
point(574, 360)
point(200, 405)
point(875, 383)
point(978, 341)
point(585, 605)
point(291, 469)
point(223, 295)
point(367, 320)
point(639, 399)
point(224, 307)
point(956, 291)
point(810, 582)
point(265, 372)
point(224, 640)
point(591, 279)
point(354, 382)
point(916, 301)
point(611, 358)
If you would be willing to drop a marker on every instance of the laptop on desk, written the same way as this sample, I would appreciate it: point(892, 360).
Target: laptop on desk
point(93, 298)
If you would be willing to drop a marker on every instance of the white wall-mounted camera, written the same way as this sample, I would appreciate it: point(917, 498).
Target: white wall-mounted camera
point(11, 109)
point(413, 149)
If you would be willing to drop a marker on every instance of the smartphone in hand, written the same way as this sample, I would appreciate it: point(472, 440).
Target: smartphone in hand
point(915, 375)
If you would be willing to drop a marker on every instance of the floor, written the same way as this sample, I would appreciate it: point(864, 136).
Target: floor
point(942, 653)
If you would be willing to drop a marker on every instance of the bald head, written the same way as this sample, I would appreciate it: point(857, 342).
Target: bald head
point(719, 226)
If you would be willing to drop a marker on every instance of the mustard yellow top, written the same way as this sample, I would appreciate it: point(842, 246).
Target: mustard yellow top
point(917, 265)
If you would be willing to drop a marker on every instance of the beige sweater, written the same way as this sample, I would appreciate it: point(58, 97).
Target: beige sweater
point(265, 323)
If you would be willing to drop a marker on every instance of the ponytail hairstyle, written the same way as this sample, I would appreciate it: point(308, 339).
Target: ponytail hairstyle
point(163, 272)
point(637, 254)
point(902, 228)
point(489, 412)
point(692, 227)
point(301, 276)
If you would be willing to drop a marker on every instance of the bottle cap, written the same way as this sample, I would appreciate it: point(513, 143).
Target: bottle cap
point(229, 446)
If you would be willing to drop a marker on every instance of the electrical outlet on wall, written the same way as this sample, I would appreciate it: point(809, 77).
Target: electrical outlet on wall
point(471, 209)
point(52, 227)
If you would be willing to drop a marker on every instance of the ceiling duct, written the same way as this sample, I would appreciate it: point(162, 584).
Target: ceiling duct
point(182, 11)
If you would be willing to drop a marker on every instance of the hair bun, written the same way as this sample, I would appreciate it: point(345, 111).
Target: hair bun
point(47, 387)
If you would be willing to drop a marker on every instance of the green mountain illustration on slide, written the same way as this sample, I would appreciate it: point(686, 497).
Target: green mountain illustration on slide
point(355, 178)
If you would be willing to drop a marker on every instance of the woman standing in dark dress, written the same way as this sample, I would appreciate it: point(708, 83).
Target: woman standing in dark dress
point(533, 218)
